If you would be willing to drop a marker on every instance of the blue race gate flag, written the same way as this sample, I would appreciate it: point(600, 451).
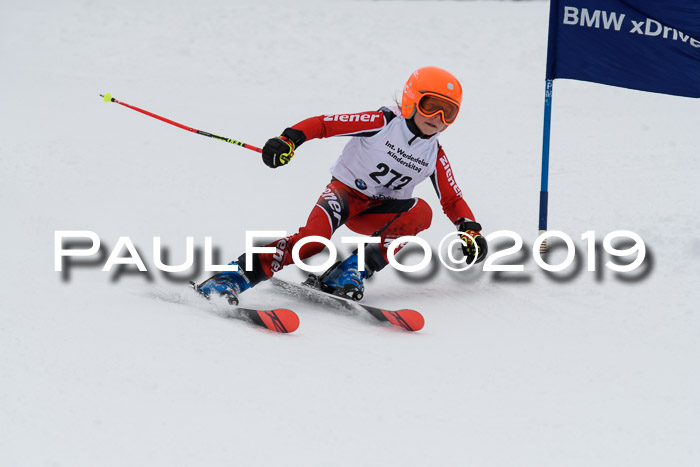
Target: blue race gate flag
point(649, 45)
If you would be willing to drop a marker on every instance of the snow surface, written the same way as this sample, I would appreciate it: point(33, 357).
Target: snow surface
point(574, 368)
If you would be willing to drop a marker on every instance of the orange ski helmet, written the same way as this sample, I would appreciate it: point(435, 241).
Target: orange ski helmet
point(431, 90)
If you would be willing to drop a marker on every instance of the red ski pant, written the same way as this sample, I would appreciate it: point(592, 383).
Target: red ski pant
point(341, 205)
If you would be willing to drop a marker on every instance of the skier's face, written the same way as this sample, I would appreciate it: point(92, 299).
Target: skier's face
point(429, 125)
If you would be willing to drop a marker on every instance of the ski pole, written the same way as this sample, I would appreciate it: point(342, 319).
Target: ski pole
point(108, 98)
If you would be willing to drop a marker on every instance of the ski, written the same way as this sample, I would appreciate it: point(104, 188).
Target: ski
point(274, 319)
point(410, 320)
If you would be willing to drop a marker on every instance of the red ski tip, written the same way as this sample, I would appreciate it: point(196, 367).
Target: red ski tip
point(409, 320)
point(280, 320)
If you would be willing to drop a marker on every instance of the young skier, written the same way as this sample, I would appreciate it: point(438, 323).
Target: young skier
point(390, 151)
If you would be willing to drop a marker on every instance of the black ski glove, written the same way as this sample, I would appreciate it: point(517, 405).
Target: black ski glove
point(278, 151)
point(476, 245)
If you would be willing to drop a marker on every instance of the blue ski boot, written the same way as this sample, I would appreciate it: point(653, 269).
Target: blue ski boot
point(345, 279)
point(228, 284)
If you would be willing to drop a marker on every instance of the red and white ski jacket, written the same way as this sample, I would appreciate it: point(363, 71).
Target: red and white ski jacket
point(386, 158)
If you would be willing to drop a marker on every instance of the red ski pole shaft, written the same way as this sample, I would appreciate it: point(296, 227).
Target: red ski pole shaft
point(108, 98)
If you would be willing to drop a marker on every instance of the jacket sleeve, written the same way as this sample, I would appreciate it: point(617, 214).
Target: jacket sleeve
point(325, 126)
point(449, 193)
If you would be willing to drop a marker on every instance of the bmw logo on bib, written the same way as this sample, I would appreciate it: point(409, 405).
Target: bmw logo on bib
point(359, 183)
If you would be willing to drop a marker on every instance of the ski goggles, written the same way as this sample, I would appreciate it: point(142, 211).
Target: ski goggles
point(431, 104)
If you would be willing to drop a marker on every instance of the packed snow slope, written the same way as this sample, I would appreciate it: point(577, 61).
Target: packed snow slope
point(575, 368)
